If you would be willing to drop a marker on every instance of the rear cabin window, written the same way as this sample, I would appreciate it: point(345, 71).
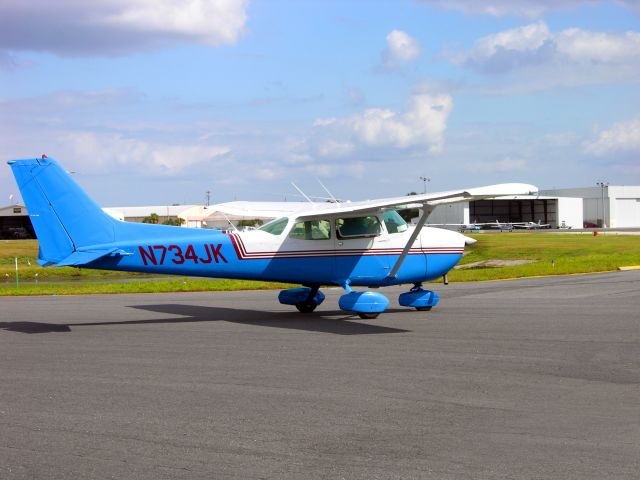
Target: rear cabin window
point(276, 227)
point(358, 227)
point(311, 230)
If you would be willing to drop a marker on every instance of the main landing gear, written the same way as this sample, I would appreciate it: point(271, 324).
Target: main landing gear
point(305, 299)
point(366, 305)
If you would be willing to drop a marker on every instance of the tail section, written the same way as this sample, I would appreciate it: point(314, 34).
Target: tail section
point(64, 217)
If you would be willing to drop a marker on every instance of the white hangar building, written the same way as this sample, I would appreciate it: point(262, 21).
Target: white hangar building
point(212, 216)
point(612, 206)
point(565, 212)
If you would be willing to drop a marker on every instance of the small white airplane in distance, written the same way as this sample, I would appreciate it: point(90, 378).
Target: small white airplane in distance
point(469, 227)
point(366, 244)
point(532, 225)
point(462, 227)
point(503, 227)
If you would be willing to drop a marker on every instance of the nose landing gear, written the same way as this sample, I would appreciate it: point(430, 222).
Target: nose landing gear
point(418, 298)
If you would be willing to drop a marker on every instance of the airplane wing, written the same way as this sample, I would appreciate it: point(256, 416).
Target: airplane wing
point(306, 210)
point(428, 200)
point(456, 224)
point(428, 203)
point(259, 209)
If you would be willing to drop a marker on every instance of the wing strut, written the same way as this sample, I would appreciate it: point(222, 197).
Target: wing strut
point(426, 211)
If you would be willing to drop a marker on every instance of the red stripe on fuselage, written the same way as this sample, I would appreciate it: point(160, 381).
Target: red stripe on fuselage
point(243, 254)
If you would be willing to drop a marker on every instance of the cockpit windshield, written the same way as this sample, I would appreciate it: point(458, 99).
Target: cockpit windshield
point(275, 227)
point(394, 222)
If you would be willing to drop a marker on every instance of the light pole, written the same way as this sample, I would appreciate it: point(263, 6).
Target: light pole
point(424, 182)
point(602, 186)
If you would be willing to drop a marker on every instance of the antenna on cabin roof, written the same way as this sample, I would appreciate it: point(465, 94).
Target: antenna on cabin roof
point(335, 200)
point(233, 227)
point(301, 192)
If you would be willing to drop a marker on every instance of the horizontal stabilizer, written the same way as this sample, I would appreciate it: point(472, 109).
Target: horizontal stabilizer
point(84, 257)
point(44, 263)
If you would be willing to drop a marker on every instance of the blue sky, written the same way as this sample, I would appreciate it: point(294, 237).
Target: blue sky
point(157, 102)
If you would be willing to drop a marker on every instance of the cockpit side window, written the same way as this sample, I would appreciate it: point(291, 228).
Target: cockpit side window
point(358, 227)
point(311, 230)
point(394, 222)
point(275, 227)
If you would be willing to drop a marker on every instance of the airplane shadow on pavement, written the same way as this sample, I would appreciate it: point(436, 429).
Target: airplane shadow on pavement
point(335, 322)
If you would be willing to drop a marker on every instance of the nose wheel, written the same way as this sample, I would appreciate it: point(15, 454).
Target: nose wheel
point(418, 298)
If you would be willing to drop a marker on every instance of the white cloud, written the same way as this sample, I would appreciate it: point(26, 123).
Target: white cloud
point(109, 149)
point(112, 27)
point(422, 125)
point(354, 169)
point(622, 138)
point(506, 164)
point(498, 8)
point(267, 173)
point(529, 38)
point(632, 4)
point(401, 49)
point(569, 51)
point(582, 46)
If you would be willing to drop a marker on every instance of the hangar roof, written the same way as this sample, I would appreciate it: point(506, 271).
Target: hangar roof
point(13, 210)
point(161, 210)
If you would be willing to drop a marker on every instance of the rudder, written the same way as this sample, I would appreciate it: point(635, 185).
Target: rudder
point(64, 217)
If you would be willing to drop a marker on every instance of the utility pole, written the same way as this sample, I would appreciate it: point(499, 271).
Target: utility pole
point(602, 186)
point(424, 183)
point(208, 197)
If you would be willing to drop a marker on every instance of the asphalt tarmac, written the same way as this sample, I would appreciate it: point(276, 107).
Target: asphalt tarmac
point(522, 379)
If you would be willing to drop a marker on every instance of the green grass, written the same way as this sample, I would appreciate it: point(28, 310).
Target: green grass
point(27, 253)
point(178, 285)
point(552, 254)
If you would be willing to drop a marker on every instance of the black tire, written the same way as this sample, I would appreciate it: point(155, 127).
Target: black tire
point(305, 307)
point(423, 309)
point(368, 316)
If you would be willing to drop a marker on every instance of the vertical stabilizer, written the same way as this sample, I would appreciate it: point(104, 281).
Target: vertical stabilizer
point(64, 217)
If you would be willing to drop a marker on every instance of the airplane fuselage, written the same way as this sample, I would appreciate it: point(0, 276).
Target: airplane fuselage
point(258, 255)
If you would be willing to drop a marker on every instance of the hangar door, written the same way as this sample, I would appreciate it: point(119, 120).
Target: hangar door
point(627, 212)
point(525, 210)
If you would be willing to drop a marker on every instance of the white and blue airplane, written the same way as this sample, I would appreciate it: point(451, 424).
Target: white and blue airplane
point(359, 244)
